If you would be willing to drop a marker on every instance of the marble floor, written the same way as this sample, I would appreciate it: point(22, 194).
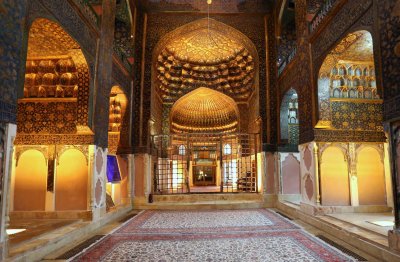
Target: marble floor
point(365, 220)
point(33, 228)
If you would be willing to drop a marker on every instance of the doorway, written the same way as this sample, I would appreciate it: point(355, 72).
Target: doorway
point(204, 166)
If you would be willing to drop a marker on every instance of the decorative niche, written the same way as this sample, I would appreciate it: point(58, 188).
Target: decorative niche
point(51, 77)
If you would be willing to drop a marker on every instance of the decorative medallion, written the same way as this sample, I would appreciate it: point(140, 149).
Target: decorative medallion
point(99, 160)
point(98, 191)
point(309, 186)
point(307, 158)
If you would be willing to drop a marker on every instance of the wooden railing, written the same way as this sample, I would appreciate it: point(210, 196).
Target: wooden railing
point(287, 61)
point(88, 10)
point(321, 14)
point(120, 54)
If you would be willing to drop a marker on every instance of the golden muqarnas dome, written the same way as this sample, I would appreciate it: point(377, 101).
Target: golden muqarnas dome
point(204, 110)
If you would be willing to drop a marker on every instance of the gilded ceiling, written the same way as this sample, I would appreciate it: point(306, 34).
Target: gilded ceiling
point(47, 38)
point(205, 58)
point(204, 47)
point(204, 110)
point(356, 47)
point(217, 6)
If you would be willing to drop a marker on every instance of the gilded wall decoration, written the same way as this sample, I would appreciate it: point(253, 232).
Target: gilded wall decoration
point(389, 23)
point(137, 78)
point(340, 23)
point(83, 74)
point(72, 22)
point(322, 44)
point(50, 77)
point(48, 38)
point(356, 116)
point(356, 46)
point(84, 149)
point(301, 75)
point(54, 139)
point(85, 35)
point(43, 117)
point(158, 25)
point(327, 135)
point(11, 43)
point(124, 82)
point(269, 96)
point(347, 76)
point(217, 6)
point(122, 34)
point(19, 150)
point(205, 59)
point(113, 142)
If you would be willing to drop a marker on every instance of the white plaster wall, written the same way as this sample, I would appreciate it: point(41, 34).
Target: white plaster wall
point(280, 159)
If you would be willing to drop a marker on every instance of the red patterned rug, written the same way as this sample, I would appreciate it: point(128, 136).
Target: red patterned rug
point(223, 235)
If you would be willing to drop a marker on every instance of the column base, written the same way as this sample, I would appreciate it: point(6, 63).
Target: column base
point(394, 240)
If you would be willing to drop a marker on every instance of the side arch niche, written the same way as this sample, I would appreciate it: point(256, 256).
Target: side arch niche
point(347, 86)
point(57, 80)
point(370, 177)
point(290, 175)
point(335, 185)
point(71, 186)
point(30, 182)
point(289, 121)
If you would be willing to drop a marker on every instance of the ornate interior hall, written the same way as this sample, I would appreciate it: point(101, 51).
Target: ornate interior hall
point(200, 130)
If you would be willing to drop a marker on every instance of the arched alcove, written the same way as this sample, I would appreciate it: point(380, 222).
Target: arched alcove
point(290, 175)
point(345, 81)
point(289, 121)
point(71, 187)
point(56, 69)
point(370, 177)
point(54, 112)
point(204, 53)
point(335, 186)
point(30, 181)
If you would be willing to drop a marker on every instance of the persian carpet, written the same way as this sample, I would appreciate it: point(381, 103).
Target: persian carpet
point(215, 235)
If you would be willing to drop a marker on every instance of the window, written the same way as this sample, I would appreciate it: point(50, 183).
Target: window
point(227, 149)
point(182, 150)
